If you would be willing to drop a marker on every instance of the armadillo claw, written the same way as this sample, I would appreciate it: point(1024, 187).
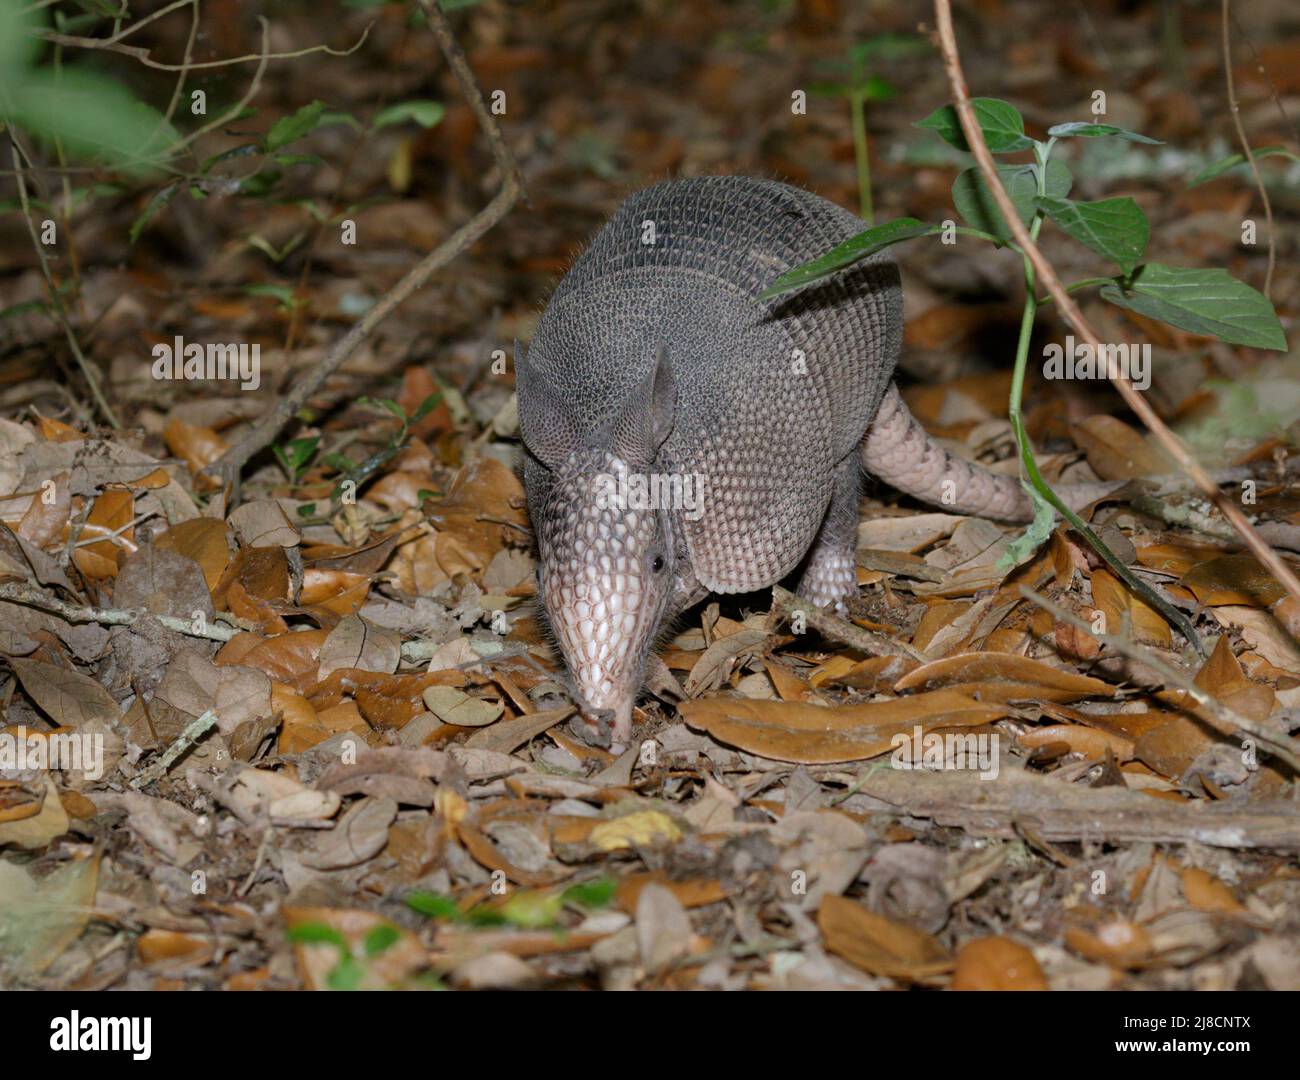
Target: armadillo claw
point(595, 729)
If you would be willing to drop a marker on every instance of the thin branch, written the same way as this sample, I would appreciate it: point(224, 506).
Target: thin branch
point(194, 730)
point(1235, 110)
point(1074, 316)
point(265, 430)
point(785, 604)
point(1223, 719)
point(141, 54)
point(413, 652)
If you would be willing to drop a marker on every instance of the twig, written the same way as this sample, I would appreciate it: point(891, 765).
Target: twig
point(56, 301)
point(194, 730)
point(228, 466)
point(785, 604)
point(1060, 812)
point(31, 597)
point(1074, 317)
point(137, 52)
point(1235, 110)
point(413, 652)
point(1223, 719)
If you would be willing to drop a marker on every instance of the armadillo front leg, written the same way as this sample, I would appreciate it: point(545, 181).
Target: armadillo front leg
point(830, 574)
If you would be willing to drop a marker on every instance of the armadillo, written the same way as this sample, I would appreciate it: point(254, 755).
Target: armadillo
point(685, 437)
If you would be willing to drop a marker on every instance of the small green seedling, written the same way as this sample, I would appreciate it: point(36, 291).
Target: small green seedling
point(860, 84)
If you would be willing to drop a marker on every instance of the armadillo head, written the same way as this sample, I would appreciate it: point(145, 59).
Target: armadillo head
point(605, 572)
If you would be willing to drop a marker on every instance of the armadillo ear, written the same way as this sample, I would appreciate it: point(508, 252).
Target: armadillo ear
point(543, 423)
point(640, 427)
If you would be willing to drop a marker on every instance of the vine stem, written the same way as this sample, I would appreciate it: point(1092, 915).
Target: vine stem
point(1235, 110)
point(1074, 316)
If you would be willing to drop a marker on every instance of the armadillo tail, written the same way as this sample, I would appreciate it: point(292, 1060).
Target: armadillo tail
point(900, 452)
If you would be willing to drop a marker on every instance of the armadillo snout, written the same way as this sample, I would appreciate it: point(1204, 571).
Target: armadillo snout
point(605, 582)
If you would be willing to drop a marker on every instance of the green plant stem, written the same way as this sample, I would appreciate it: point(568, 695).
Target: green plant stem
point(1030, 465)
point(858, 112)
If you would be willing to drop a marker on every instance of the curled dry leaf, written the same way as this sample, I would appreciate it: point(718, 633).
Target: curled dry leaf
point(37, 830)
point(1003, 677)
point(812, 734)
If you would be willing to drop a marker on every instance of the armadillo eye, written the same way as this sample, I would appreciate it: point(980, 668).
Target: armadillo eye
point(658, 565)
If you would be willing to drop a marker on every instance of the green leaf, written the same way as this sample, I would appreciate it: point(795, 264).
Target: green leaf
point(975, 203)
point(853, 250)
point(1210, 302)
point(292, 128)
point(434, 905)
point(1002, 124)
point(424, 113)
point(1036, 533)
point(316, 934)
point(1114, 228)
point(160, 199)
point(20, 45)
point(889, 46)
point(1223, 165)
point(385, 403)
point(425, 407)
point(94, 117)
point(592, 894)
point(296, 453)
point(259, 183)
point(289, 160)
point(877, 89)
point(347, 974)
point(283, 293)
point(1086, 129)
point(533, 909)
point(380, 939)
point(226, 155)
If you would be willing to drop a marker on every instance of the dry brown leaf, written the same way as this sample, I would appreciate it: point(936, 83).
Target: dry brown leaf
point(1233, 579)
point(355, 643)
point(1003, 677)
point(112, 512)
point(1118, 452)
point(812, 734)
point(997, 963)
point(1121, 608)
point(68, 697)
point(206, 541)
point(877, 945)
point(1205, 892)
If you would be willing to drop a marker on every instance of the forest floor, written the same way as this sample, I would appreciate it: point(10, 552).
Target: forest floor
point(334, 747)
